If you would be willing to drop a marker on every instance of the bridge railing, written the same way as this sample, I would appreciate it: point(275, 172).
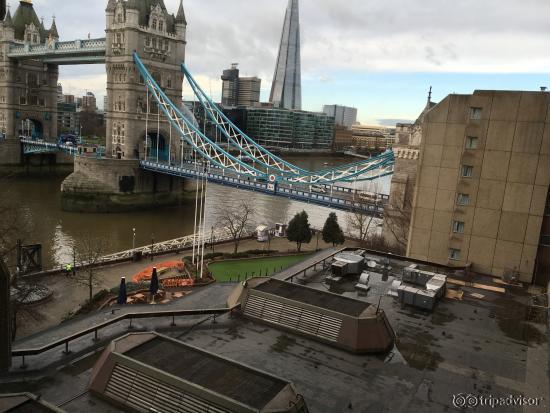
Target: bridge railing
point(95, 329)
point(269, 189)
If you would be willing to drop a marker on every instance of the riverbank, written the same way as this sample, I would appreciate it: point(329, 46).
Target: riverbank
point(68, 296)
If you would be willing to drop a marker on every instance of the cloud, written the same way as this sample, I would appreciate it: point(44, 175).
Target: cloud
point(359, 36)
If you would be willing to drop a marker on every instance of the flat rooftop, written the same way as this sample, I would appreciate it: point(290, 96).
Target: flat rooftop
point(332, 302)
point(227, 378)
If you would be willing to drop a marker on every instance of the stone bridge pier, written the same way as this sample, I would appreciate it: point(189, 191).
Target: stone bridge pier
point(113, 185)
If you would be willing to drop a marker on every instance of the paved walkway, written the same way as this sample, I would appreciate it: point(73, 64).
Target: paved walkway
point(68, 295)
point(302, 266)
point(209, 297)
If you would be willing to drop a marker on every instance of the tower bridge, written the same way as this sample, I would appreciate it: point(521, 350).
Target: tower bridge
point(151, 137)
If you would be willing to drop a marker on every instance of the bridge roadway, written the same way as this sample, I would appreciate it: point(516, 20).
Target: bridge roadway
point(341, 198)
point(330, 196)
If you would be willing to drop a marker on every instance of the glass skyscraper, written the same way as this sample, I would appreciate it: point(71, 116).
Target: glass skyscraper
point(286, 90)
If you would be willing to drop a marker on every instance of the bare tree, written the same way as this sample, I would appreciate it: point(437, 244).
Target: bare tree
point(14, 227)
point(360, 225)
point(88, 254)
point(397, 221)
point(236, 219)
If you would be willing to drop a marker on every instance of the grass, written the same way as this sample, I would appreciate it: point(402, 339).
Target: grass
point(241, 269)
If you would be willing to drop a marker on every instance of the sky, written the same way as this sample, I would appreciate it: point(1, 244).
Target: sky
point(380, 56)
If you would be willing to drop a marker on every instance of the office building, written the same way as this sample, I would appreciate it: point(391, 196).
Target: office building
point(68, 118)
point(343, 115)
point(279, 128)
point(481, 193)
point(239, 91)
point(343, 138)
point(230, 86)
point(373, 137)
point(286, 90)
point(89, 103)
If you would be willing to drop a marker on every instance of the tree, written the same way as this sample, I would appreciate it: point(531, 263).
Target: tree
point(13, 227)
point(236, 220)
point(298, 230)
point(332, 233)
point(88, 254)
point(397, 220)
point(360, 226)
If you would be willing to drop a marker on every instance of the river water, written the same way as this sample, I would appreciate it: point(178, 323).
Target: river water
point(38, 199)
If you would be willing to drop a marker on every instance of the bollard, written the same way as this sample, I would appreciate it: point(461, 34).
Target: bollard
point(96, 338)
point(66, 351)
point(23, 365)
point(173, 321)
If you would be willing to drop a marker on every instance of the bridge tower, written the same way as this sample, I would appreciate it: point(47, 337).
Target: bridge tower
point(116, 183)
point(147, 27)
point(28, 88)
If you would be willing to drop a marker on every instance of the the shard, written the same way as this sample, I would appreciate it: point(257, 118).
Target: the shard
point(286, 90)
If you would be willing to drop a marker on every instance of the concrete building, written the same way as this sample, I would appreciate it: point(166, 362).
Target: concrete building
point(343, 138)
point(239, 91)
point(68, 118)
point(481, 195)
point(373, 137)
point(249, 91)
point(279, 128)
point(286, 90)
point(230, 86)
point(343, 115)
point(89, 102)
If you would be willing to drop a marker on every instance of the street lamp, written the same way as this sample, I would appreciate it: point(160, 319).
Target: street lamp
point(212, 238)
point(152, 245)
point(133, 238)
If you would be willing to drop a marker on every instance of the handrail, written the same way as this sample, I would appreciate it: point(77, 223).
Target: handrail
point(95, 328)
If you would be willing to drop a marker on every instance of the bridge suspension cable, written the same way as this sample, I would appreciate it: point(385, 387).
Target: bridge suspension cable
point(251, 148)
point(216, 155)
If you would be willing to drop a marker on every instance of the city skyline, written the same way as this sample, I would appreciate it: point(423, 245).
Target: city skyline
point(380, 59)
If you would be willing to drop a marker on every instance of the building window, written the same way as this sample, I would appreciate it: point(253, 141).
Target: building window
point(161, 25)
point(154, 24)
point(148, 41)
point(467, 171)
point(463, 199)
point(120, 18)
point(22, 100)
point(458, 227)
point(454, 254)
point(34, 38)
point(475, 113)
point(471, 142)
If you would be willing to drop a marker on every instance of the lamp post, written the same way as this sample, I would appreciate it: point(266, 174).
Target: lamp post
point(317, 246)
point(133, 238)
point(212, 238)
point(152, 245)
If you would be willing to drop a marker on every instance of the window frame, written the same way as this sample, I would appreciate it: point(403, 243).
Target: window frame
point(455, 254)
point(465, 168)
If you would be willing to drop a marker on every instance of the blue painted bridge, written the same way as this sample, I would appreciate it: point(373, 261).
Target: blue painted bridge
point(333, 196)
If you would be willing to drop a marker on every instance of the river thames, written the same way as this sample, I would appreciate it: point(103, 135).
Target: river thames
point(38, 200)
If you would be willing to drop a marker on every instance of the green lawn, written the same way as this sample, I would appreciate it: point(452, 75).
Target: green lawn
point(241, 269)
